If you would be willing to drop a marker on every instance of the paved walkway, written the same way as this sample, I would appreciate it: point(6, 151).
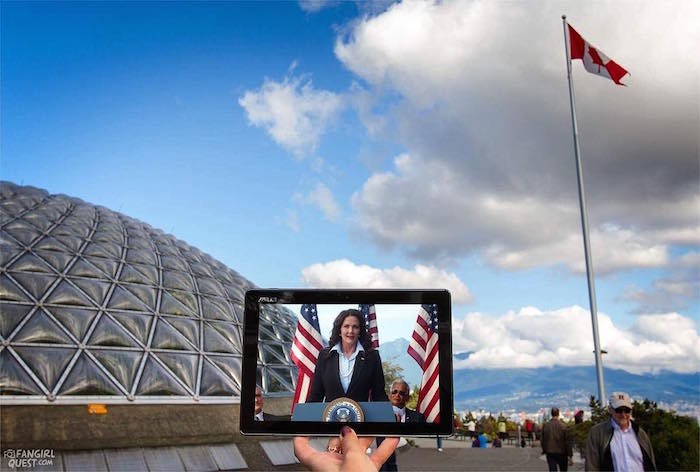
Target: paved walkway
point(459, 455)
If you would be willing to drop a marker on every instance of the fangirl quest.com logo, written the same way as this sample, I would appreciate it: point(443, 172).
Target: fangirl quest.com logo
point(28, 458)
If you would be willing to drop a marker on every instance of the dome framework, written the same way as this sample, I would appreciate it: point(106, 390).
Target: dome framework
point(97, 305)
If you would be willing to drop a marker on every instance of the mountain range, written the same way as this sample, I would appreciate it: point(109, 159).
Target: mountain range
point(529, 390)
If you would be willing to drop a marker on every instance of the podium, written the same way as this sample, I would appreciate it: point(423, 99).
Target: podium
point(378, 412)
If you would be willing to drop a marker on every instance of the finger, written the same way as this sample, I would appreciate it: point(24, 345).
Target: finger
point(302, 449)
point(385, 449)
point(350, 442)
point(366, 442)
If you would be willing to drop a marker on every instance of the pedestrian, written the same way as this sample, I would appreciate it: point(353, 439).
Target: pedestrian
point(556, 444)
point(619, 443)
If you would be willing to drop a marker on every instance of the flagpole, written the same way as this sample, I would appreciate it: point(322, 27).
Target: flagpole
point(584, 224)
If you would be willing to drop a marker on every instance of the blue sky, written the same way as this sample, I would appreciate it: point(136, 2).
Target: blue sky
point(415, 144)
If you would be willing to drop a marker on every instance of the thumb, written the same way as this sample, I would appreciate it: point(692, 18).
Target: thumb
point(350, 441)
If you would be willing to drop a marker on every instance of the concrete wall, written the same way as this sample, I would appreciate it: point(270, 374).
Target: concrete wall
point(72, 427)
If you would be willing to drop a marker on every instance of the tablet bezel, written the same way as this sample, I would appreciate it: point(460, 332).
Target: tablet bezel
point(441, 298)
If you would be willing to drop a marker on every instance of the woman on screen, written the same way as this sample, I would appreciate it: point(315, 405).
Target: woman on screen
point(349, 366)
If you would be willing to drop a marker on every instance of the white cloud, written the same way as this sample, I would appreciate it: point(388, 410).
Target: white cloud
point(293, 112)
point(438, 215)
point(478, 100)
point(531, 338)
point(675, 290)
point(322, 197)
point(343, 273)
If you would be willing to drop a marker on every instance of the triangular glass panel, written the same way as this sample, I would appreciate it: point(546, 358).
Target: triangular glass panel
point(266, 334)
point(156, 380)
point(100, 250)
point(70, 241)
point(75, 320)
point(170, 305)
point(230, 365)
point(10, 291)
point(14, 380)
point(122, 364)
point(138, 324)
point(235, 293)
point(216, 383)
point(173, 263)
point(186, 326)
point(177, 280)
point(107, 266)
point(82, 268)
point(215, 342)
point(11, 315)
point(37, 220)
point(274, 353)
point(35, 284)
point(216, 309)
point(42, 329)
point(279, 379)
point(122, 299)
point(182, 365)
point(111, 235)
point(144, 293)
point(139, 241)
point(86, 378)
point(229, 331)
point(8, 249)
point(22, 232)
point(51, 212)
point(29, 262)
point(139, 255)
point(50, 244)
point(210, 287)
point(167, 337)
point(148, 271)
point(66, 294)
point(47, 363)
point(131, 275)
point(57, 260)
point(95, 289)
point(201, 269)
point(110, 333)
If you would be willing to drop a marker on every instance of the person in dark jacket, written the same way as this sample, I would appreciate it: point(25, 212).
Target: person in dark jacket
point(619, 443)
point(556, 444)
point(398, 395)
point(260, 415)
point(349, 366)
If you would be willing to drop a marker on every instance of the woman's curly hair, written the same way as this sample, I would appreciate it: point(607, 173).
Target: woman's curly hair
point(364, 338)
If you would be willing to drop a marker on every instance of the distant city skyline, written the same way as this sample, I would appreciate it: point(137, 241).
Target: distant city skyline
point(407, 145)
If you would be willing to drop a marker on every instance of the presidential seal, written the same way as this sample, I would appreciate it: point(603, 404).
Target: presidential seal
point(344, 410)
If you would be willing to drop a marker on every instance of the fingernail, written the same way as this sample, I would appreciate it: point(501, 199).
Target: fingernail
point(345, 430)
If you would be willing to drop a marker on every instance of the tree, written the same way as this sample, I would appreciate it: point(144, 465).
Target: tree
point(674, 437)
point(391, 372)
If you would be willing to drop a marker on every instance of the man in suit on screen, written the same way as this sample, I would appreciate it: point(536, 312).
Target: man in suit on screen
point(398, 395)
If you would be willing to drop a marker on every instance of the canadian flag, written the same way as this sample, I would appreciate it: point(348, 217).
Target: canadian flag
point(593, 58)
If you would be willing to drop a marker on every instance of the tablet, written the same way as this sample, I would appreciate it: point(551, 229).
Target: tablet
point(402, 334)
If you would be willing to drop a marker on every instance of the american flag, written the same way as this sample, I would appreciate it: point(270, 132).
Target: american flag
point(424, 349)
point(305, 348)
point(370, 314)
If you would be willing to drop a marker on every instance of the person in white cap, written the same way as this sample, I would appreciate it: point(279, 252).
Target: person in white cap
point(619, 443)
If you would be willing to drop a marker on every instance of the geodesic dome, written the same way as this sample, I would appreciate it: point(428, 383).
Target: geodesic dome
point(96, 304)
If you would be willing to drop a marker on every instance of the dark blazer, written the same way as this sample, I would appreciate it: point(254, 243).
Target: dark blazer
point(390, 465)
point(271, 417)
point(366, 383)
point(413, 416)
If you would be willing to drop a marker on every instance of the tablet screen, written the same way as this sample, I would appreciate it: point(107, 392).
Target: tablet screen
point(380, 360)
